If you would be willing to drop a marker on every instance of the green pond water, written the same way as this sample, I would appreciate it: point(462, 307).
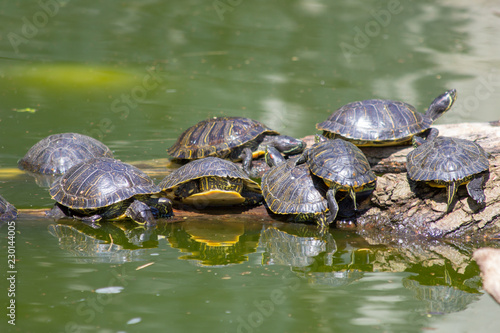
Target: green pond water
point(135, 74)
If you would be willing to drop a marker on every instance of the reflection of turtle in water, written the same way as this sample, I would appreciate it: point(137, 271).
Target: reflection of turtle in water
point(218, 243)
point(377, 122)
point(104, 245)
point(441, 299)
point(283, 248)
point(7, 211)
point(233, 138)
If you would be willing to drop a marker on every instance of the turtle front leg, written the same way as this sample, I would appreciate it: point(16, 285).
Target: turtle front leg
point(246, 159)
point(57, 213)
point(302, 158)
point(475, 188)
point(90, 220)
point(451, 190)
point(332, 205)
point(140, 213)
point(353, 197)
point(427, 135)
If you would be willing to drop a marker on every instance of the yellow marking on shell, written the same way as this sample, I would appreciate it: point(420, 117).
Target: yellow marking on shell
point(215, 197)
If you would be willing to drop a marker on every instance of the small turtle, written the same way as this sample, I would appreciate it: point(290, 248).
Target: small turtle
point(105, 188)
point(211, 181)
point(55, 154)
point(293, 191)
point(449, 162)
point(378, 122)
point(233, 138)
point(7, 211)
point(342, 166)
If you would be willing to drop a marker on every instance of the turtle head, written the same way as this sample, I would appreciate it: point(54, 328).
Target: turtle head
point(320, 138)
point(441, 104)
point(273, 157)
point(285, 144)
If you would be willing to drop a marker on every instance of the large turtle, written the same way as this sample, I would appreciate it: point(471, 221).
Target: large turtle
point(7, 211)
point(378, 122)
point(211, 181)
point(449, 162)
point(233, 138)
point(55, 154)
point(105, 188)
point(342, 166)
point(292, 191)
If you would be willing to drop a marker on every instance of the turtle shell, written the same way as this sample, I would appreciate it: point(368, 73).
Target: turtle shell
point(375, 121)
point(7, 211)
point(340, 162)
point(446, 159)
point(209, 167)
point(218, 137)
point(290, 189)
point(57, 153)
point(100, 182)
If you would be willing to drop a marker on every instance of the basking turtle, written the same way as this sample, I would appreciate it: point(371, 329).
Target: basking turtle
point(449, 162)
point(342, 166)
point(293, 191)
point(211, 181)
point(233, 138)
point(378, 122)
point(7, 211)
point(105, 188)
point(55, 154)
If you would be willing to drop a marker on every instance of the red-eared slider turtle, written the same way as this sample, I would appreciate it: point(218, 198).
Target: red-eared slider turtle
point(293, 191)
point(105, 188)
point(449, 162)
point(233, 138)
point(7, 211)
point(378, 122)
point(342, 166)
point(211, 181)
point(55, 154)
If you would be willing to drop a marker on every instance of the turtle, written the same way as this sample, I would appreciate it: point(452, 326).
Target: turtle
point(211, 181)
point(55, 154)
point(105, 189)
point(7, 211)
point(292, 191)
point(379, 122)
point(449, 162)
point(233, 138)
point(342, 166)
